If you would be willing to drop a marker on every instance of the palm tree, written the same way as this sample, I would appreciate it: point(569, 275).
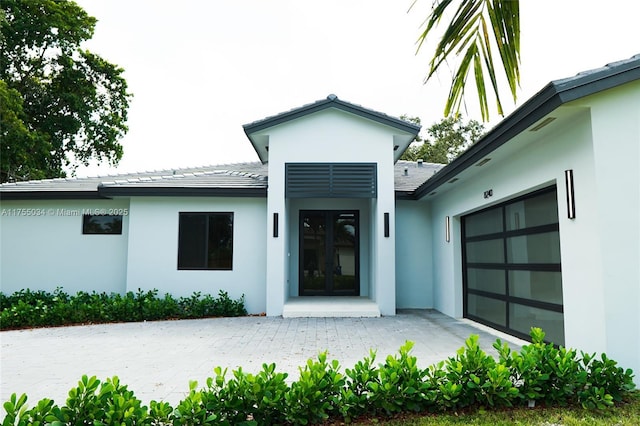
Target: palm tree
point(476, 28)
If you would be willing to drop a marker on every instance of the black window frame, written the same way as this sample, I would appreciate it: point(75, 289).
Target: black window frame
point(186, 263)
point(86, 221)
point(506, 266)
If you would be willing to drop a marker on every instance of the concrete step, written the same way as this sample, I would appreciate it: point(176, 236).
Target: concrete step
point(330, 306)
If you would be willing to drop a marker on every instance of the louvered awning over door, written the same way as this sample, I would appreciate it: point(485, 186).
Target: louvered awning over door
point(331, 180)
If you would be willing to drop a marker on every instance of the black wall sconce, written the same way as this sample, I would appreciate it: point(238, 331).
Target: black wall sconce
point(386, 225)
point(275, 225)
point(571, 201)
point(447, 229)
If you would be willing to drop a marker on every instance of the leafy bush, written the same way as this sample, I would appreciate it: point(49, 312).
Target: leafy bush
point(400, 386)
point(259, 397)
point(90, 402)
point(41, 309)
point(357, 393)
point(315, 396)
point(605, 382)
point(539, 372)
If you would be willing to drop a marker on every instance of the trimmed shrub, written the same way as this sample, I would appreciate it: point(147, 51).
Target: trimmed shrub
point(470, 379)
point(315, 396)
point(42, 309)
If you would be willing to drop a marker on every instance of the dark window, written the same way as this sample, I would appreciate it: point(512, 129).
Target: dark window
point(205, 241)
point(512, 269)
point(102, 224)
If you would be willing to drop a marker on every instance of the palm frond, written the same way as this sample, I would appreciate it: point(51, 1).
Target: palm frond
point(469, 36)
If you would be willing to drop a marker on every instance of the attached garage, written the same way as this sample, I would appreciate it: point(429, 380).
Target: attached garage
point(537, 224)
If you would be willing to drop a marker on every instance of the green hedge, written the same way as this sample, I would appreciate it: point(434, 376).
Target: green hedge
point(540, 373)
point(28, 308)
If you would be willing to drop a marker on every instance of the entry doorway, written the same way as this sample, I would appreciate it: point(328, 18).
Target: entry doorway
point(329, 253)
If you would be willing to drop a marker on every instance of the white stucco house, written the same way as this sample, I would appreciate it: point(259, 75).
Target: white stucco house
point(537, 224)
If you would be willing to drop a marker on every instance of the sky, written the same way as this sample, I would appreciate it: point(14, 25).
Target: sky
point(199, 70)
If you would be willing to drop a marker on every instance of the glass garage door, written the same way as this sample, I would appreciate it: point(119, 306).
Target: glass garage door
point(512, 271)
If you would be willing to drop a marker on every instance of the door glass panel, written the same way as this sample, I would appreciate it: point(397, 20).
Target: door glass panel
point(537, 211)
point(313, 251)
point(488, 251)
point(491, 310)
point(344, 251)
point(543, 286)
point(534, 248)
point(522, 318)
point(491, 280)
point(488, 222)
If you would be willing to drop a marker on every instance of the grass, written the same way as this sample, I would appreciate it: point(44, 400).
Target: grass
point(624, 414)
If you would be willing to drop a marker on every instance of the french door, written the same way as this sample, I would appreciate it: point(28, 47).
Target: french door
point(329, 253)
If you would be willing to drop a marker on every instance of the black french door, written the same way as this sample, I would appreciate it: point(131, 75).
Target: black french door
point(329, 253)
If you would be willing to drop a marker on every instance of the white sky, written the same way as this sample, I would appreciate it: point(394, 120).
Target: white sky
point(200, 69)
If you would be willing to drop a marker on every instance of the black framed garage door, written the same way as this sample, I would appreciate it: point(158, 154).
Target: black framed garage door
point(512, 270)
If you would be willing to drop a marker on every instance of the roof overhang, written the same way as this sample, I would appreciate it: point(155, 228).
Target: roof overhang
point(51, 195)
point(532, 112)
point(142, 191)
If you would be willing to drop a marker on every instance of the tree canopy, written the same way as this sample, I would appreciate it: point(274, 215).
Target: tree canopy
point(60, 105)
point(444, 140)
point(476, 27)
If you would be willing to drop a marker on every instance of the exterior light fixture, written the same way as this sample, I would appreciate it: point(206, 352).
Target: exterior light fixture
point(447, 229)
point(275, 225)
point(386, 225)
point(571, 201)
point(483, 162)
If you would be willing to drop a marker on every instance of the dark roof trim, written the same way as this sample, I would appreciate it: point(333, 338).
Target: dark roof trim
point(51, 195)
point(141, 191)
point(547, 100)
point(107, 193)
point(331, 101)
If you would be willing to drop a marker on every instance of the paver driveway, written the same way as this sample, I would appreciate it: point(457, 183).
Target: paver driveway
point(158, 359)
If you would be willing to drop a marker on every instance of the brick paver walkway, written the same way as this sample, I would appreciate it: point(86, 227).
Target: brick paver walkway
point(158, 359)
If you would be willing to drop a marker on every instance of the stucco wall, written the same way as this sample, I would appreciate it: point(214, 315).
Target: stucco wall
point(42, 247)
point(414, 266)
point(153, 249)
point(616, 198)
